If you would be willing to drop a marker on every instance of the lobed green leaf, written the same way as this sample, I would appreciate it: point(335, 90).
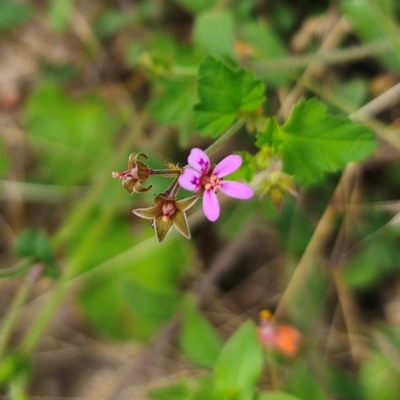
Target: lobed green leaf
point(313, 142)
point(225, 94)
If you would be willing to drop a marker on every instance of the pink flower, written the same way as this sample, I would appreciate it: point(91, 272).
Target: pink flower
point(197, 177)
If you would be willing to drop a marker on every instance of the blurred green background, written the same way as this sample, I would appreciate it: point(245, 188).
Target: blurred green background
point(83, 85)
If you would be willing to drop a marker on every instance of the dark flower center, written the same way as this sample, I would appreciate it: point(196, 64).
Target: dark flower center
point(211, 182)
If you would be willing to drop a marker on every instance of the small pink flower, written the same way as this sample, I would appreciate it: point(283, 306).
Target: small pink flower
point(197, 177)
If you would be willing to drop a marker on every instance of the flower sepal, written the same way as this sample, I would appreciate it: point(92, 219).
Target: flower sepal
point(135, 174)
point(167, 212)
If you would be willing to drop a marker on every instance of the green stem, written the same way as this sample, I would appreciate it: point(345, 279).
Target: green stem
point(166, 172)
point(13, 313)
point(35, 333)
point(225, 137)
point(337, 56)
point(386, 25)
point(18, 269)
point(72, 269)
point(173, 189)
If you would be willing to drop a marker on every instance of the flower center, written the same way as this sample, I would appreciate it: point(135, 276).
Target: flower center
point(168, 208)
point(211, 182)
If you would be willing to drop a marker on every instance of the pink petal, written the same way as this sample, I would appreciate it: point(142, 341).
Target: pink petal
point(190, 180)
point(236, 190)
point(210, 205)
point(227, 165)
point(199, 160)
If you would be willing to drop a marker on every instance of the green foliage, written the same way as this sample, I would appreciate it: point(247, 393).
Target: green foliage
point(13, 14)
point(376, 257)
point(214, 32)
point(237, 368)
point(198, 339)
point(365, 16)
point(379, 379)
point(277, 396)
point(151, 305)
point(140, 292)
point(196, 6)
point(354, 91)
point(266, 44)
point(110, 21)
point(164, 63)
point(225, 95)
point(15, 367)
point(303, 382)
point(35, 244)
point(178, 391)
point(4, 159)
point(67, 129)
point(239, 364)
point(343, 384)
point(60, 13)
point(182, 390)
point(172, 104)
point(313, 142)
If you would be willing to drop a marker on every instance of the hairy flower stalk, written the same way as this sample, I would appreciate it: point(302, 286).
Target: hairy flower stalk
point(199, 178)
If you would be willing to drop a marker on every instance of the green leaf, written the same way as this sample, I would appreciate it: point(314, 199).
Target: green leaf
point(277, 396)
point(4, 158)
point(13, 14)
point(196, 6)
point(25, 243)
point(343, 384)
point(158, 305)
point(303, 382)
point(198, 338)
point(15, 366)
point(379, 378)
point(150, 269)
point(172, 104)
point(177, 391)
point(271, 135)
point(239, 364)
point(377, 257)
point(224, 95)
point(364, 17)
point(313, 142)
point(267, 45)
point(66, 128)
point(109, 22)
point(214, 32)
point(36, 243)
point(60, 13)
